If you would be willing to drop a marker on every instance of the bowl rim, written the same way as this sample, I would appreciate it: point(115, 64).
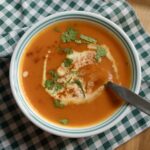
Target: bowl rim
point(59, 14)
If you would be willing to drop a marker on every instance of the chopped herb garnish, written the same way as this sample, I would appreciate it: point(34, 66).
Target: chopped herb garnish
point(64, 121)
point(56, 30)
point(78, 41)
point(54, 74)
point(100, 52)
point(69, 35)
point(58, 86)
point(58, 103)
point(88, 39)
point(68, 50)
point(74, 72)
point(68, 62)
point(79, 84)
point(53, 84)
point(49, 84)
point(68, 81)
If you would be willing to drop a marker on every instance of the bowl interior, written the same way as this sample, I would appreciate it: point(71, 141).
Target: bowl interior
point(41, 122)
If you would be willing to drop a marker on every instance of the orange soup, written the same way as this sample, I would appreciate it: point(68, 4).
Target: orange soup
point(64, 68)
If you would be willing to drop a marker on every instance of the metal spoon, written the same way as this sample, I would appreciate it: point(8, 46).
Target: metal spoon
point(129, 97)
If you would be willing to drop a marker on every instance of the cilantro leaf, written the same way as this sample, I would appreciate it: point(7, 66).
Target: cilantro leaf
point(68, 50)
point(64, 121)
point(54, 74)
point(87, 38)
point(68, 81)
point(69, 35)
point(74, 72)
point(79, 84)
point(53, 84)
point(58, 103)
point(100, 52)
point(49, 84)
point(68, 62)
point(78, 41)
point(58, 86)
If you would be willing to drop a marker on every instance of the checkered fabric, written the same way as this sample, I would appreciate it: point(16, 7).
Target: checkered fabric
point(16, 131)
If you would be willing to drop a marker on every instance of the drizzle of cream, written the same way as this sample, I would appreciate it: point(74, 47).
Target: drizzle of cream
point(44, 70)
point(80, 100)
point(80, 59)
point(25, 74)
point(109, 56)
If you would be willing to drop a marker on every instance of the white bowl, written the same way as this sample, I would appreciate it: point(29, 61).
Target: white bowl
point(49, 126)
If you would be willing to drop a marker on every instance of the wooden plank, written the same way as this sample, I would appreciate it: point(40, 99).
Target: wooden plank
point(142, 9)
point(139, 142)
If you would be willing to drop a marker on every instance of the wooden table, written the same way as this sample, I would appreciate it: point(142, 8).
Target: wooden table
point(142, 141)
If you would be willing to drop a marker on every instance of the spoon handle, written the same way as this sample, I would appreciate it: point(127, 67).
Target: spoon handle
point(130, 97)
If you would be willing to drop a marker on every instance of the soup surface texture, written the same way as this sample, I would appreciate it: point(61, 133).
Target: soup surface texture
point(64, 68)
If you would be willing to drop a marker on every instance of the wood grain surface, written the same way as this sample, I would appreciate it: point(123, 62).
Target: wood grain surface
point(141, 141)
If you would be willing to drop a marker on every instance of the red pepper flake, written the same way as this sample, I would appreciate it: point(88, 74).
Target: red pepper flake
point(36, 60)
point(29, 54)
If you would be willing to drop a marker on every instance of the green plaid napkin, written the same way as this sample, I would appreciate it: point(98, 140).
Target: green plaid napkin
point(16, 131)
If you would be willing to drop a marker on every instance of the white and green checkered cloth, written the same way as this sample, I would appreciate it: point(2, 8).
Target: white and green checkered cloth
point(16, 131)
